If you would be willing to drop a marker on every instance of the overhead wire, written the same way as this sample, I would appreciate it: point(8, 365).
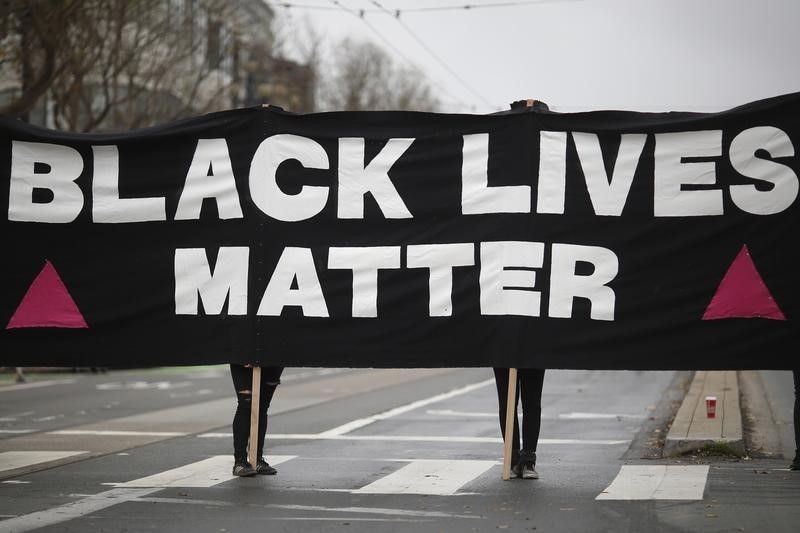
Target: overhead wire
point(434, 55)
point(359, 13)
point(399, 11)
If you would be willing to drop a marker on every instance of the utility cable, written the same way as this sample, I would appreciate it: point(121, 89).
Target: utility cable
point(434, 55)
point(360, 14)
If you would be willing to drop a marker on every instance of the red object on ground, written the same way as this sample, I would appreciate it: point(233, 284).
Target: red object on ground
point(711, 406)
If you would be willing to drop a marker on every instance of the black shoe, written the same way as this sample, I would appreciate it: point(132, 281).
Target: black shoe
point(528, 470)
point(243, 469)
point(796, 463)
point(262, 467)
point(527, 465)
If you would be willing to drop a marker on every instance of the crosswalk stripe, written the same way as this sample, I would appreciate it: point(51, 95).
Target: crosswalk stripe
point(205, 473)
point(657, 482)
point(13, 460)
point(435, 477)
point(419, 438)
point(72, 510)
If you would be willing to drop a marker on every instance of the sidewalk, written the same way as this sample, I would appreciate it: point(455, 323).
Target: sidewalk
point(754, 414)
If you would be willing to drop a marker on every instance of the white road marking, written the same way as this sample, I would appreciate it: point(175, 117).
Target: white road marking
point(202, 474)
point(450, 412)
point(63, 513)
point(595, 416)
point(13, 460)
point(361, 422)
point(427, 476)
point(418, 438)
point(15, 482)
point(110, 433)
point(143, 385)
point(657, 482)
point(297, 507)
point(16, 431)
point(37, 384)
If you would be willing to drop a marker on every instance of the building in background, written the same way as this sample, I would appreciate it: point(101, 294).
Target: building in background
point(110, 65)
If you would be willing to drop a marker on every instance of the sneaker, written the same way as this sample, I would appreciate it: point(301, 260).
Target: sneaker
point(528, 470)
point(516, 470)
point(796, 463)
point(262, 467)
point(243, 469)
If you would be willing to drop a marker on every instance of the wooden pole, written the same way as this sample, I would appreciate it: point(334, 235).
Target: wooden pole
point(511, 411)
point(255, 402)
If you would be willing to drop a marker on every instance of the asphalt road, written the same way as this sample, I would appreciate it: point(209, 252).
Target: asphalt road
point(365, 450)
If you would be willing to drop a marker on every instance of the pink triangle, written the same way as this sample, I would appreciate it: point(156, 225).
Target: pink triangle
point(742, 293)
point(47, 304)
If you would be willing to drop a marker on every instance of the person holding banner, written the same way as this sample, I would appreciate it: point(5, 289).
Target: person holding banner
point(242, 381)
point(529, 387)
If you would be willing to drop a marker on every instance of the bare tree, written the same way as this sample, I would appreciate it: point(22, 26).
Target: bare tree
point(362, 76)
point(116, 64)
point(31, 35)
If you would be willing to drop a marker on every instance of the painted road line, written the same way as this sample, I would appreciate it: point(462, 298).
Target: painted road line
point(361, 422)
point(202, 474)
point(114, 433)
point(595, 416)
point(16, 431)
point(450, 412)
point(69, 511)
point(427, 476)
point(37, 384)
point(14, 460)
point(315, 508)
point(421, 438)
point(657, 482)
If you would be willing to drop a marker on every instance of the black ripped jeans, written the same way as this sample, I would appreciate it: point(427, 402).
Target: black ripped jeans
point(243, 383)
point(529, 387)
point(796, 374)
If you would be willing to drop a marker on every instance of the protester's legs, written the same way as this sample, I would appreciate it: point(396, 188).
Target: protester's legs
point(796, 374)
point(531, 383)
point(242, 383)
point(501, 381)
point(270, 379)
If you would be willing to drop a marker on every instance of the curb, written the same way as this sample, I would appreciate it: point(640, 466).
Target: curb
point(692, 430)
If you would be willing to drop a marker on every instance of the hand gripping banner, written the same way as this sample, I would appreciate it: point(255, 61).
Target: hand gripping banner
point(600, 240)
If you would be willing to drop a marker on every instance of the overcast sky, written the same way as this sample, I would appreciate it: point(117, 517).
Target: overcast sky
point(645, 55)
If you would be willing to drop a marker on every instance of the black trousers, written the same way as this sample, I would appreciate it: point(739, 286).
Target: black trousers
point(529, 388)
point(243, 382)
point(796, 374)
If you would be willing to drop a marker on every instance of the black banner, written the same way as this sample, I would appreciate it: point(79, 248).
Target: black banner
point(601, 240)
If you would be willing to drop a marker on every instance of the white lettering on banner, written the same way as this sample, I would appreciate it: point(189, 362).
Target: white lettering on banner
point(477, 197)
point(365, 262)
point(685, 180)
point(671, 173)
point(551, 190)
point(566, 284)
point(210, 176)
point(608, 196)
point(504, 291)
point(264, 189)
point(783, 179)
point(357, 179)
point(194, 280)
point(440, 259)
point(506, 278)
point(64, 165)
point(294, 264)
point(107, 206)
